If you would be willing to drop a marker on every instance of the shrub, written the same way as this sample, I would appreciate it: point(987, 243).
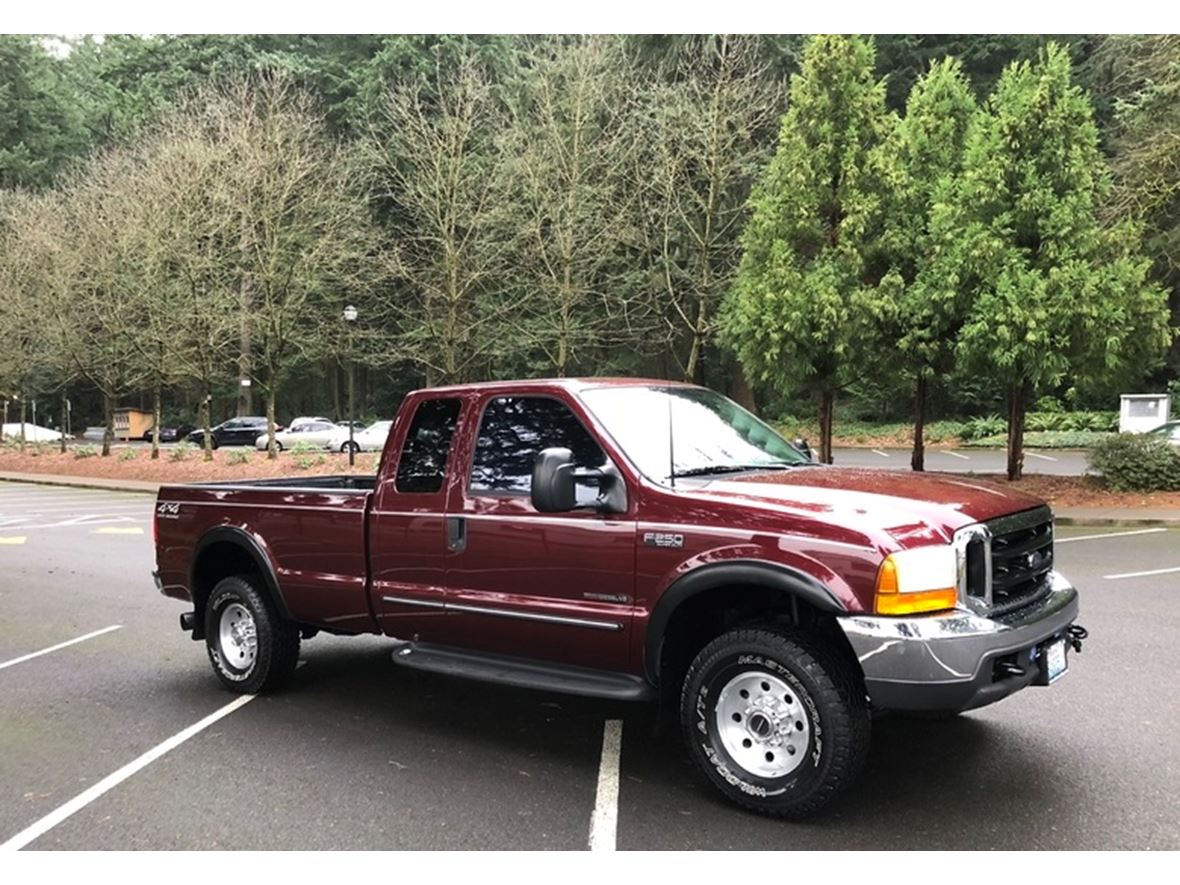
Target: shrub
point(181, 451)
point(1132, 462)
point(238, 456)
point(977, 428)
point(128, 455)
point(303, 447)
point(937, 431)
point(86, 451)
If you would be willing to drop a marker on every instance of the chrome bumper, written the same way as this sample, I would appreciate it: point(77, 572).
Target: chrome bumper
point(946, 662)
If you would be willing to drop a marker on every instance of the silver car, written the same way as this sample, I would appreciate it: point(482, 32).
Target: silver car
point(371, 439)
point(314, 433)
point(1169, 431)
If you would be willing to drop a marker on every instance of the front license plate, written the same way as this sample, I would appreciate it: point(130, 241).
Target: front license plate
point(1055, 661)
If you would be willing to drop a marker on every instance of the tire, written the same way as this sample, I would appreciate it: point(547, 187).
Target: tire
point(243, 662)
point(344, 448)
point(777, 722)
point(278, 446)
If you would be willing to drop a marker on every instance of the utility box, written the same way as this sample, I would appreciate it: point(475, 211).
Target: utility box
point(133, 424)
point(1141, 412)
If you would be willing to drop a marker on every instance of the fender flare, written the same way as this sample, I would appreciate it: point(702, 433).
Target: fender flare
point(246, 542)
point(746, 572)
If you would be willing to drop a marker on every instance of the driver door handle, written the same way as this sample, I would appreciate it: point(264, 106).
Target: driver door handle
point(456, 534)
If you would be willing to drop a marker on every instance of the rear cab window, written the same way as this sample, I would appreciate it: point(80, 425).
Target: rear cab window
point(422, 463)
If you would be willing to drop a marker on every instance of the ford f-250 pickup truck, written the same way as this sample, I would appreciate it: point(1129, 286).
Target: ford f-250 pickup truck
point(642, 540)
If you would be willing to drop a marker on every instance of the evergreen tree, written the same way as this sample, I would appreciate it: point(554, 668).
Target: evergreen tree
point(806, 302)
point(1053, 294)
point(925, 160)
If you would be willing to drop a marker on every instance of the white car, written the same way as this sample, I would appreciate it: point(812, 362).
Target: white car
point(314, 433)
point(299, 422)
point(33, 433)
point(371, 439)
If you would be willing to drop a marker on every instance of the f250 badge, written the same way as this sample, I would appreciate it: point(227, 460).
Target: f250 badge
point(168, 510)
point(663, 539)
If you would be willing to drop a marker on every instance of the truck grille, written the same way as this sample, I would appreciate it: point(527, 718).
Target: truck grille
point(1021, 560)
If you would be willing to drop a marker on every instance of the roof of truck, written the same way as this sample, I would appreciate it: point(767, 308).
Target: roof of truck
point(582, 383)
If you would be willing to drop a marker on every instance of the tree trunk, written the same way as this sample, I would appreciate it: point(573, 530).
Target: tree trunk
point(827, 399)
point(64, 410)
point(271, 451)
point(740, 388)
point(1017, 396)
point(108, 433)
point(23, 432)
point(918, 458)
point(156, 423)
point(206, 422)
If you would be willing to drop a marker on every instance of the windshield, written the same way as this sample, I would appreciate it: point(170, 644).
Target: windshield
point(711, 434)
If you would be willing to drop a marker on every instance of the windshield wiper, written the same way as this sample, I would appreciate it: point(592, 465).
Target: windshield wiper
point(714, 469)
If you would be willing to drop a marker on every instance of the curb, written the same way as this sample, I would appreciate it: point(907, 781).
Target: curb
point(1118, 521)
point(80, 483)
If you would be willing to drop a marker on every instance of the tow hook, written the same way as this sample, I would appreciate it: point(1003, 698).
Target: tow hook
point(1076, 634)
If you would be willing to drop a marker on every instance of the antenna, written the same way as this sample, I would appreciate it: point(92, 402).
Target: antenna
point(671, 454)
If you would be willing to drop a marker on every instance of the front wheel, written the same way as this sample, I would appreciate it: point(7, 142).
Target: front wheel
point(776, 721)
point(250, 647)
point(344, 448)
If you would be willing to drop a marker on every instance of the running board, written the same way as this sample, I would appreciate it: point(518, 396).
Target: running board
point(523, 672)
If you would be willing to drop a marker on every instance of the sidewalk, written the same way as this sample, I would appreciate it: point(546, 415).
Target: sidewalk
point(83, 482)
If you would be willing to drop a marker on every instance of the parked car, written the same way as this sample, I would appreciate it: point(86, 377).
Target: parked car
point(170, 432)
point(1169, 431)
point(645, 541)
point(33, 432)
point(299, 422)
point(316, 433)
point(234, 432)
point(370, 439)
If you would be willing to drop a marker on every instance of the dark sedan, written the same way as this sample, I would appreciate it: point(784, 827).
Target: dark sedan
point(234, 432)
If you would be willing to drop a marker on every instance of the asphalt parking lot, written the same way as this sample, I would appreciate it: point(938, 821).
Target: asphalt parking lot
point(359, 754)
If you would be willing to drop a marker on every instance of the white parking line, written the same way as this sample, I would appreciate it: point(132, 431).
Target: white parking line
point(604, 823)
point(73, 523)
point(46, 651)
point(882, 454)
point(1108, 535)
point(55, 817)
point(956, 454)
point(1156, 571)
point(1038, 455)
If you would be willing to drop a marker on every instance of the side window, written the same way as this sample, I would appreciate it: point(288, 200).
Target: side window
point(423, 462)
point(513, 430)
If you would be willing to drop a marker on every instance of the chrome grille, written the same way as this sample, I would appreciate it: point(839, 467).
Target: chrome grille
point(1006, 563)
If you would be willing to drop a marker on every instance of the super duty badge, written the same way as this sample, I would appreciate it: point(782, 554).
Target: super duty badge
point(663, 539)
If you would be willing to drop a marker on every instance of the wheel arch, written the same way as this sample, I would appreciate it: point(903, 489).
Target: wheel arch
point(712, 586)
point(225, 551)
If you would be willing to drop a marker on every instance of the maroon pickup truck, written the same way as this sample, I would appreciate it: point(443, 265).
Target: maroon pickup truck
point(642, 540)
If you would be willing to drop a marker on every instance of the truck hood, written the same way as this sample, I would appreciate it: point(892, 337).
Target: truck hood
point(904, 504)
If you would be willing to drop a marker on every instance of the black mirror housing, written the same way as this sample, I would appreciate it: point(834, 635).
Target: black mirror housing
point(553, 488)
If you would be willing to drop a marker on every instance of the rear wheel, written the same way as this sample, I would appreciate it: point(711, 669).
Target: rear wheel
point(777, 722)
point(251, 648)
point(344, 448)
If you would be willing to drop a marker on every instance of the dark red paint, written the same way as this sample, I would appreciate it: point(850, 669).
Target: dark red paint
point(336, 554)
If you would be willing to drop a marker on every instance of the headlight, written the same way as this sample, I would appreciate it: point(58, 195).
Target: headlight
point(924, 579)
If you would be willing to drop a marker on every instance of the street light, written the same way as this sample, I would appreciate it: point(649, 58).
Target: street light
point(349, 319)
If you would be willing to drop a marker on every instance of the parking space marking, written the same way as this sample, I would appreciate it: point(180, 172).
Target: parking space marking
point(80, 521)
point(55, 817)
point(60, 645)
point(13, 540)
point(604, 823)
point(882, 454)
point(1154, 571)
point(1109, 535)
point(1039, 455)
point(956, 454)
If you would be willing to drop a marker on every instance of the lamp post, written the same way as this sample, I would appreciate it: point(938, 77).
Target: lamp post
point(349, 319)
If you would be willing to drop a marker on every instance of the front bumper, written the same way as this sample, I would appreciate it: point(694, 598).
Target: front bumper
point(950, 661)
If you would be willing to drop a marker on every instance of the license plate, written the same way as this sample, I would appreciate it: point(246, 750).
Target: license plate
point(1055, 661)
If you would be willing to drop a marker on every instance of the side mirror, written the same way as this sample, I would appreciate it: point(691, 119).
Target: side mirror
point(555, 484)
point(553, 481)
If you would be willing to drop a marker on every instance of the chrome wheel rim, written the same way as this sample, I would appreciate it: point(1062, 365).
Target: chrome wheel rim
point(763, 725)
point(238, 637)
